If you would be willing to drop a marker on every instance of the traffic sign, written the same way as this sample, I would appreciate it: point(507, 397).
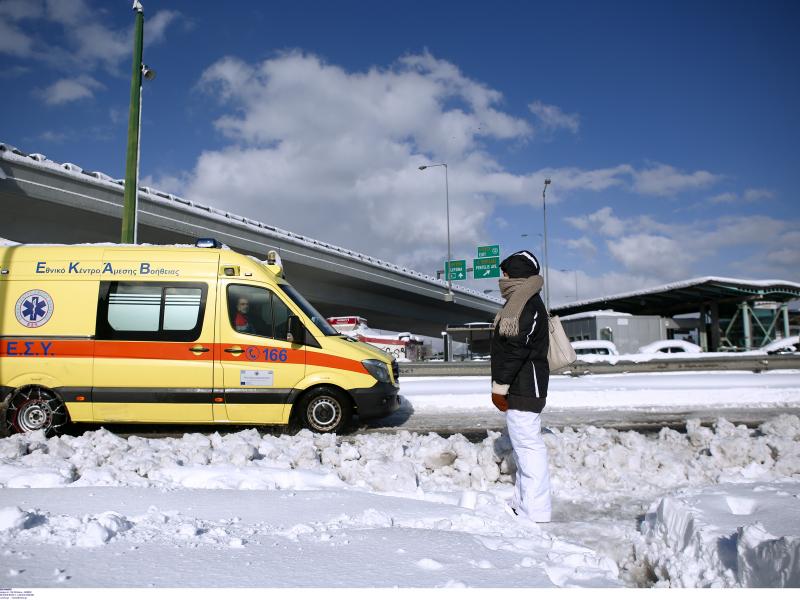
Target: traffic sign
point(489, 251)
point(455, 269)
point(486, 268)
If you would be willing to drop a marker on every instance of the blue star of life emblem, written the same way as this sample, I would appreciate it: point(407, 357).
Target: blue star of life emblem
point(34, 308)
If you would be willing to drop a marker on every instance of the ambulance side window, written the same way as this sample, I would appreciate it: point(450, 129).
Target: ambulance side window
point(280, 315)
point(170, 312)
point(257, 311)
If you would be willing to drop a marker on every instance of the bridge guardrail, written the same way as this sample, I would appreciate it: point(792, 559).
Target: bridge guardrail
point(656, 365)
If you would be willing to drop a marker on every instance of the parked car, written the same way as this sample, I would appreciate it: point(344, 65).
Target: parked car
point(669, 347)
point(789, 345)
point(595, 347)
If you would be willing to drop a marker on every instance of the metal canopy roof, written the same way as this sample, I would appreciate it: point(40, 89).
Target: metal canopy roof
point(688, 296)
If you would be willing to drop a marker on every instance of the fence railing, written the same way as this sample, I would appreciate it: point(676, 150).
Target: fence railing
point(655, 365)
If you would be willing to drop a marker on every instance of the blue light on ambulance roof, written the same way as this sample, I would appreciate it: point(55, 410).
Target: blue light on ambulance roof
point(207, 243)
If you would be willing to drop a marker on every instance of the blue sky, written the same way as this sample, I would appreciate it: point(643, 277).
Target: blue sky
point(669, 129)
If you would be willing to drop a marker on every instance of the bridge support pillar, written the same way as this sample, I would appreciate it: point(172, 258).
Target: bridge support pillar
point(748, 336)
point(785, 311)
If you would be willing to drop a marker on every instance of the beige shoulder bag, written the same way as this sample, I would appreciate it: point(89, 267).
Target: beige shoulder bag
point(561, 353)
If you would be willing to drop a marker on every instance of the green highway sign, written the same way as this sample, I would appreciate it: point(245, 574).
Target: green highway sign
point(489, 252)
point(455, 269)
point(486, 268)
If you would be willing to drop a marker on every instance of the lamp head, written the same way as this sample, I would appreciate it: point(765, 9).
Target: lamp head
point(547, 182)
point(148, 73)
point(423, 167)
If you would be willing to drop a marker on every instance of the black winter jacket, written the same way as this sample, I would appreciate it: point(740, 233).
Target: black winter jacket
point(521, 360)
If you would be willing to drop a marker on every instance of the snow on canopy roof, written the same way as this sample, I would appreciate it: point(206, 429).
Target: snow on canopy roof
point(595, 313)
point(39, 161)
point(677, 297)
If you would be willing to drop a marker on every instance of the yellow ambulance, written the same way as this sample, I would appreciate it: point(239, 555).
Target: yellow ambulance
point(171, 334)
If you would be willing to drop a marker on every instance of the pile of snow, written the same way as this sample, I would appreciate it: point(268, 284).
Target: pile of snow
point(374, 487)
point(733, 535)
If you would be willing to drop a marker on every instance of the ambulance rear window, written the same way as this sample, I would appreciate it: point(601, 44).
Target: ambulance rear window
point(151, 311)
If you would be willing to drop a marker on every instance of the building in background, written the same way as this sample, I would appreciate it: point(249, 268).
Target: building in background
point(628, 332)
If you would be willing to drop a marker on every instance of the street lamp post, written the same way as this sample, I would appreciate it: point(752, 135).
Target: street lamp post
point(449, 296)
point(546, 270)
point(140, 70)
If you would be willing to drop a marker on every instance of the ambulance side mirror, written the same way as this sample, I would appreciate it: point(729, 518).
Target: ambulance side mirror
point(297, 331)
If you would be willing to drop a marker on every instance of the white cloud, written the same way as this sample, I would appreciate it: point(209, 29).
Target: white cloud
point(582, 245)
point(749, 195)
point(87, 44)
point(14, 41)
point(17, 10)
point(156, 26)
point(309, 140)
point(69, 90)
point(68, 12)
point(645, 254)
point(552, 117)
point(593, 286)
point(602, 221)
point(55, 137)
point(724, 198)
point(754, 195)
point(670, 250)
point(665, 180)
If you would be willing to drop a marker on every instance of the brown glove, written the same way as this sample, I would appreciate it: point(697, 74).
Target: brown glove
point(500, 401)
point(499, 393)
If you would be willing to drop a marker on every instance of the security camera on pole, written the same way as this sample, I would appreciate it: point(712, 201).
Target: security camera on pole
point(140, 70)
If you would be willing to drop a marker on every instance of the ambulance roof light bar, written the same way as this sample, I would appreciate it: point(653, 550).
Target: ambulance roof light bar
point(207, 243)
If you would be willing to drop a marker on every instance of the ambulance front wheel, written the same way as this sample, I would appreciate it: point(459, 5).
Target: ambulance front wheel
point(326, 410)
point(35, 408)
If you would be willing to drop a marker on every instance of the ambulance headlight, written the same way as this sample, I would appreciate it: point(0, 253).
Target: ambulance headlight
point(377, 369)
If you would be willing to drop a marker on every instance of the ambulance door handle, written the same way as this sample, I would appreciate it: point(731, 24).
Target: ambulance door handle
point(234, 350)
point(199, 349)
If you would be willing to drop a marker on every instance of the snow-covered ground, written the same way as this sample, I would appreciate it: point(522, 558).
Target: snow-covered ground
point(648, 391)
point(714, 506)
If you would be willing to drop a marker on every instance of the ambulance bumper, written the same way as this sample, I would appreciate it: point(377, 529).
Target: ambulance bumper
point(378, 401)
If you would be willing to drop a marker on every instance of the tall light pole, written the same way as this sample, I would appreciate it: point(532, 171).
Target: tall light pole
point(449, 296)
point(546, 270)
point(140, 70)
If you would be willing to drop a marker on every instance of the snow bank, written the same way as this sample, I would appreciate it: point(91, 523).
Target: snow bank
point(586, 463)
point(735, 535)
point(693, 535)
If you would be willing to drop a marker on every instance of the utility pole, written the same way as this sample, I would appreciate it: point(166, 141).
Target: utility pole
point(134, 124)
point(546, 270)
point(448, 297)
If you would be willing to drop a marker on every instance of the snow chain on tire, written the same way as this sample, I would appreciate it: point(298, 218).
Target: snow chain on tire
point(34, 408)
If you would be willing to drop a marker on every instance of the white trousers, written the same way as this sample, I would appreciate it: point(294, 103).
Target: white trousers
point(532, 488)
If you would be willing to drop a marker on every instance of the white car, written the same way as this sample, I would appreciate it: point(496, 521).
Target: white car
point(669, 347)
point(789, 345)
point(596, 347)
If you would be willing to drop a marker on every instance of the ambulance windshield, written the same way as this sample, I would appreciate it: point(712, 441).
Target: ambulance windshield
point(311, 312)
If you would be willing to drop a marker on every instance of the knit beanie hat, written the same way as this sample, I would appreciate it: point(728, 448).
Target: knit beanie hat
point(520, 265)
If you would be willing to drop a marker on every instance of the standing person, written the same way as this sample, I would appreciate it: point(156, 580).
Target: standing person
point(520, 374)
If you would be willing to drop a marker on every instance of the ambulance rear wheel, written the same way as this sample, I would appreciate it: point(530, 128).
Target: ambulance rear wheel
point(326, 410)
point(36, 408)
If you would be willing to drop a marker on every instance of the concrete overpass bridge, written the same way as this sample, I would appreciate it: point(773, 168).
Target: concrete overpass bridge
point(46, 202)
